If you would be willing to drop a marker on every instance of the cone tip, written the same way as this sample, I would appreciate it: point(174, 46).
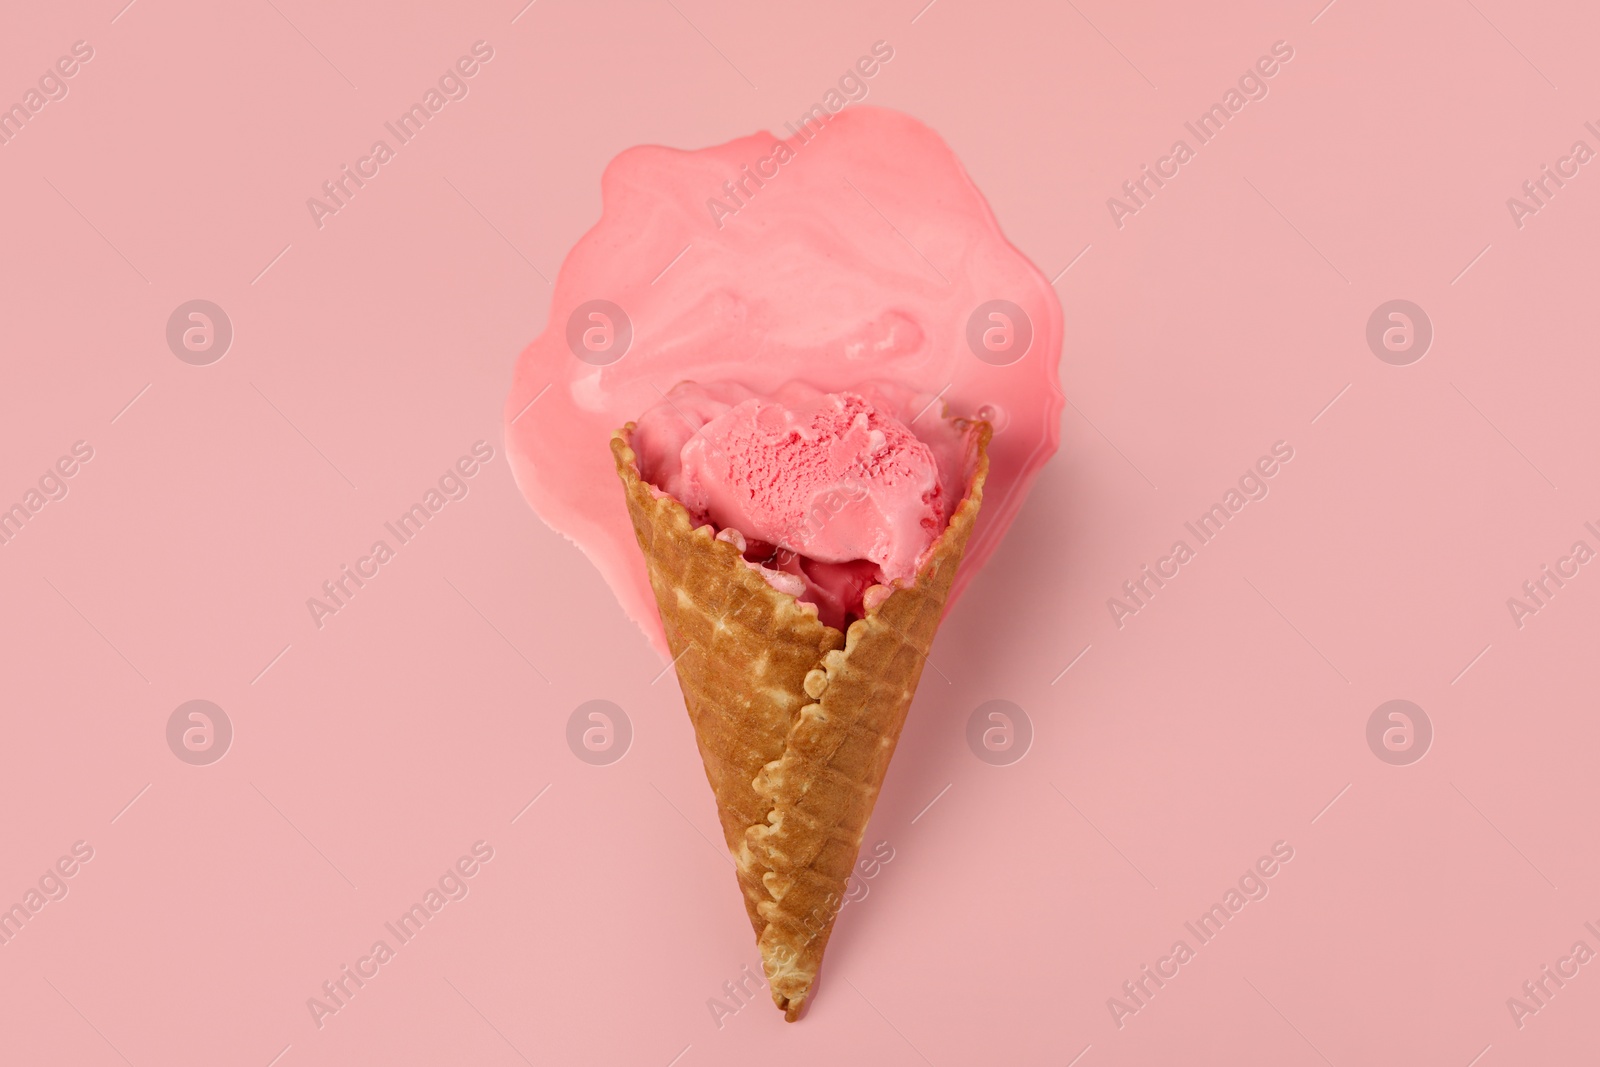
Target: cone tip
point(791, 1008)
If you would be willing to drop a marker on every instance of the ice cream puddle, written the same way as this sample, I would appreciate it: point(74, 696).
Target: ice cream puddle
point(825, 494)
point(874, 269)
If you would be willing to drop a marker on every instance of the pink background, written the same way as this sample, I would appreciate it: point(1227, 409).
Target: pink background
point(370, 754)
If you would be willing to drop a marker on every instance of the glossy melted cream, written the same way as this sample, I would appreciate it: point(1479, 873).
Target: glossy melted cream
point(863, 257)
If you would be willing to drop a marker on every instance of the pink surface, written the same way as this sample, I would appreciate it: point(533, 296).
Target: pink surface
point(483, 663)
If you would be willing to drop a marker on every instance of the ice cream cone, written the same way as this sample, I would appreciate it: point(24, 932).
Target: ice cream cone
point(796, 721)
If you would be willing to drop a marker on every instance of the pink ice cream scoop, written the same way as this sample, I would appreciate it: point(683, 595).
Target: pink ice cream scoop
point(833, 297)
point(828, 493)
point(834, 480)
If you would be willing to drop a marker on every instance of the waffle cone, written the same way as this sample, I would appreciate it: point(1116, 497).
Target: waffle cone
point(796, 721)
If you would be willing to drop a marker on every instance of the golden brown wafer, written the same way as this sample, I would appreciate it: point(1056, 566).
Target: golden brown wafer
point(796, 721)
